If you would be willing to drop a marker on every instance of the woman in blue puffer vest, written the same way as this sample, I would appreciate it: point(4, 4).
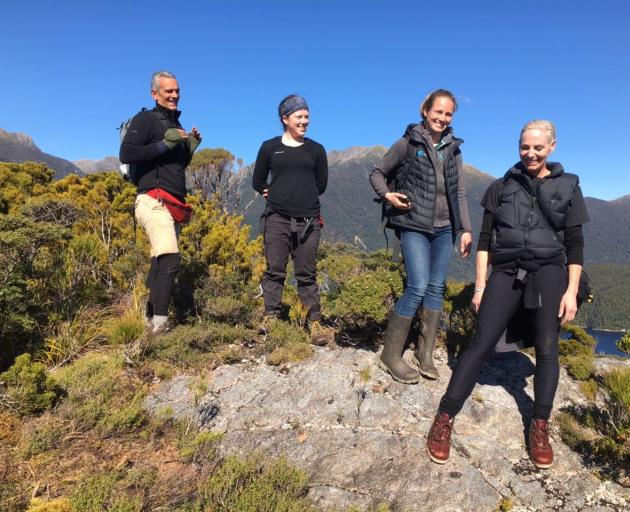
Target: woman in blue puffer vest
point(421, 181)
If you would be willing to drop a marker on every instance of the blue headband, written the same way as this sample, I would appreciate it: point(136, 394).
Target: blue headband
point(292, 104)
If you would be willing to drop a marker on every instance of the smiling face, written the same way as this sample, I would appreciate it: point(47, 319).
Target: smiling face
point(439, 116)
point(535, 147)
point(295, 124)
point(167, 93)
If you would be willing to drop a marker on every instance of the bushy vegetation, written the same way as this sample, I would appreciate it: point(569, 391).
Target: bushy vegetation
point(577, 352)
point(28, 387)
point(78, 363)
point(602, 433)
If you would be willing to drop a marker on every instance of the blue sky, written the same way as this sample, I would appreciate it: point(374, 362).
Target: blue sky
point(75, 69)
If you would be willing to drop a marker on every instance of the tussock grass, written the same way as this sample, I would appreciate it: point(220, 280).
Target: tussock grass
point(84, 331)
point(255, 484)
point(125, 329)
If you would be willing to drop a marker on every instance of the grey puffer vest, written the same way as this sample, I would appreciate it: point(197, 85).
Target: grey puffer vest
point(527, 220)
point(416, 179)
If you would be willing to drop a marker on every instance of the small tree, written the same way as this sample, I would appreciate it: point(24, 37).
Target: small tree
point(212, 174)
point(623, 343)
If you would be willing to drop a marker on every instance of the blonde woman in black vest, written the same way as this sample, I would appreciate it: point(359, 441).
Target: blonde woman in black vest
point(524, 213)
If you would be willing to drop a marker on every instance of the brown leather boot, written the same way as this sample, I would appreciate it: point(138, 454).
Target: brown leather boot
point(429, 325)
point(394, 344)
point(439, 438)
point(540, 450)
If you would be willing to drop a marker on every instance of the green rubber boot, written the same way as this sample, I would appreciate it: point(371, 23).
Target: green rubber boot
point(429, 325)
point(394, 344)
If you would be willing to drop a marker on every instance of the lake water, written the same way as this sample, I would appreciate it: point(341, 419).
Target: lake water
point(606, 342)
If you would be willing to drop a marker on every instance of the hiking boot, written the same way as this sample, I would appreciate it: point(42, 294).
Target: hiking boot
point(321, 334)
point(393, 347)
point(540, 450)
point(439, 438)
point(423, 355)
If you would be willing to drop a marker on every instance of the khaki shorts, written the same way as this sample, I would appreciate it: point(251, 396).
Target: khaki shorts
point(158, 224)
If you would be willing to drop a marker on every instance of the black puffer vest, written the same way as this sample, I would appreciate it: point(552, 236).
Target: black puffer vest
point(527, 220)
point(416, 179)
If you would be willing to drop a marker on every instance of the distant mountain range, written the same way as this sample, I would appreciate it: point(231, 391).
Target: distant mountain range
point(109, 163)
point(352, 216)
point(19, 147)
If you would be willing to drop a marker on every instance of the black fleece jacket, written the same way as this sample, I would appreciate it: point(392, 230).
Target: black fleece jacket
point(157, 166)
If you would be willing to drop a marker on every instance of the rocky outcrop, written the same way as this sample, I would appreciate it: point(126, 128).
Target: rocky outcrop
point(361, 436)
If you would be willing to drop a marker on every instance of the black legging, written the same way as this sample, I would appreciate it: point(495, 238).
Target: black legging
point(160, 281)
point(502, 298)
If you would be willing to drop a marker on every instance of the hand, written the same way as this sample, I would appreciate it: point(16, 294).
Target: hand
point(195, 133)
point(568, 307)
point(173, 136)
point(398, 200)
point(194, 139)
point(476, 300)
point(465, 244)
point(265, 193)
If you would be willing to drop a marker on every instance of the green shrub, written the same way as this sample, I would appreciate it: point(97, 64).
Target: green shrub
point(581, 366)
point(285, 342)
point(198, 447)
point(602, 436)
point(358, 289)
point(256, 485)
point(578, 342)
point(623, 343)
point(589, 388)
point(101, 396)
point(93, 492)
point(29, 388)
point(195, 345)
point(41, 436)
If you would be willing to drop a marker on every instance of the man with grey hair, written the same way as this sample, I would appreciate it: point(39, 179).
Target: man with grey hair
point(160, 150)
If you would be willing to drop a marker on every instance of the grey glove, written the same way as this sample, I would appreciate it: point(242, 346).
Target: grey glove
point(193, 143)
point(172, 137)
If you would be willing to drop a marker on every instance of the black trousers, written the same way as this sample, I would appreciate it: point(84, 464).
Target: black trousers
point(160, 281)
point(281, 241)
point(501, 299)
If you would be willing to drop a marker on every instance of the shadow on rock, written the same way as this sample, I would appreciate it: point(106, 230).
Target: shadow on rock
point(509, 370)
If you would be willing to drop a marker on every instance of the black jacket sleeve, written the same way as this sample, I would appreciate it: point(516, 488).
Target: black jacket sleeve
point(139, 144)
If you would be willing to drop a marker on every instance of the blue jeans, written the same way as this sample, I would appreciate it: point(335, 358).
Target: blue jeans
point(426, 260)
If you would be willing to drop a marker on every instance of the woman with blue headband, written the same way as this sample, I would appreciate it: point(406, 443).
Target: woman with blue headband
point(298, 170)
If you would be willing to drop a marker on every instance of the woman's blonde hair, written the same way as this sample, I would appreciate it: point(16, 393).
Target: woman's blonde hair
point(540, 124)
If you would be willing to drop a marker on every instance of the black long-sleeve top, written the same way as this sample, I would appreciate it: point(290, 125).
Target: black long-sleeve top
point(299, 175)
